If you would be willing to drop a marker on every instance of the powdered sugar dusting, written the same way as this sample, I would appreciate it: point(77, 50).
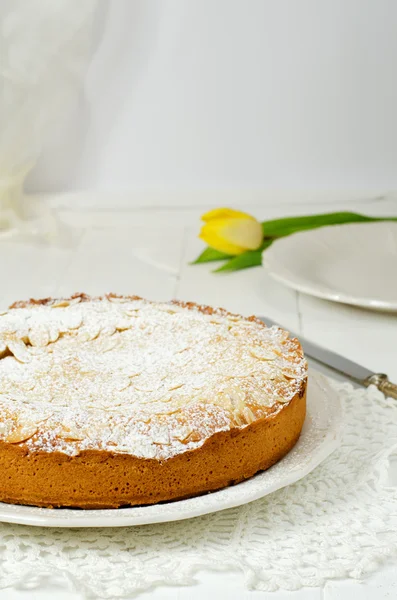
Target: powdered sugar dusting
point(131, 376)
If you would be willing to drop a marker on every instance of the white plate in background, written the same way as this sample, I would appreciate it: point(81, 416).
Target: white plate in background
point(319, 438)
point(353, 263)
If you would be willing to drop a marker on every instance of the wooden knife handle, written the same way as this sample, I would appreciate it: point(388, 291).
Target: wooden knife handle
point(383, 384)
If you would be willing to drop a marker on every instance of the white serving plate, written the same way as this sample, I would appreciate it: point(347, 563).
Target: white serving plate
point(353, 263)
point(320, 437)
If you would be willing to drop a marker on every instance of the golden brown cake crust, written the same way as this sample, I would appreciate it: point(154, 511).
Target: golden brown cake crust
point(94, 476)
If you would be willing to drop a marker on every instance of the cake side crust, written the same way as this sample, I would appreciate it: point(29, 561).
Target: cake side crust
point(101, 479)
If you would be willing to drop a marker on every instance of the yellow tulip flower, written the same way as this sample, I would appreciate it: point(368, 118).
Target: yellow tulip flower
point(231, 231)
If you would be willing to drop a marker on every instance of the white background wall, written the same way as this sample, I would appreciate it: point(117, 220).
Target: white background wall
point(260, 94)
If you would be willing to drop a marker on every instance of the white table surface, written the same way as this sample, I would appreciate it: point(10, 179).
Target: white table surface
point(146, 252)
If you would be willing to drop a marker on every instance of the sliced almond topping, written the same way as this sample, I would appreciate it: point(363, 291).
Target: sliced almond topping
point(182, 432)
point(262, 353)
point(123, 383)
point(19, 351)
point(21, 433)
point(39, 336)
point(61, 304)
point(106, 344)
point(131, 312)
point(160, 435)
point(176, 387)
point(118, 299)
point(53, 332)
point(71, 434)
point(248, 415)
point(237, 419)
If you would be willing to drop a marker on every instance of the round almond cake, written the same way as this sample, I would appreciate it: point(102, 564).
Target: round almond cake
point(118, 401)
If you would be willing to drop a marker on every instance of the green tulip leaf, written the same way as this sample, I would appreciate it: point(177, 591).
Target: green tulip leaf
point(210, 255)
point(281, 227)
point(251, 258)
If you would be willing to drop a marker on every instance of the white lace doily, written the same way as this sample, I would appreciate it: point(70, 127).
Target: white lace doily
point(337, 522)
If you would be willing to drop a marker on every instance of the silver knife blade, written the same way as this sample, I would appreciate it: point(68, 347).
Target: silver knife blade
point(330, 359)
